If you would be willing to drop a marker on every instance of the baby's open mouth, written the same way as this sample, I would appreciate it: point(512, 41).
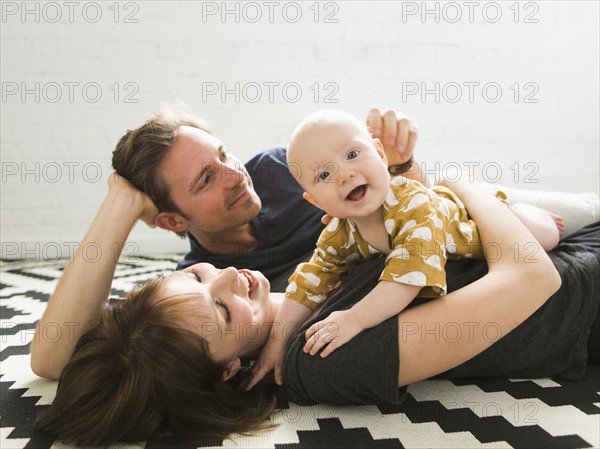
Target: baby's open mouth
point(358, 193)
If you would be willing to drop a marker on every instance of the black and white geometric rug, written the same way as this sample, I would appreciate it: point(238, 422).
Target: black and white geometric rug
point(540, 413)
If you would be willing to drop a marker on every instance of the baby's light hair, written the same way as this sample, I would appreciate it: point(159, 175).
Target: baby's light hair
point(321, 117)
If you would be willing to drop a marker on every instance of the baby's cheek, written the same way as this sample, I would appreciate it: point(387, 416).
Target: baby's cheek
point(340, 212)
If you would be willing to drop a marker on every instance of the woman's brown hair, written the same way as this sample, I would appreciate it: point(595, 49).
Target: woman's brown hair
point(136, 373)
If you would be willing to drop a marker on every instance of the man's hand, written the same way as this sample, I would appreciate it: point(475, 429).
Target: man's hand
point(270, 358)
point(333, 332)
point(397, 133)
point(121, 186)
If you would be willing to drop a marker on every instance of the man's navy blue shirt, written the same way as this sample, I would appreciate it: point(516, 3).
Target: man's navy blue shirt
point(287, 225)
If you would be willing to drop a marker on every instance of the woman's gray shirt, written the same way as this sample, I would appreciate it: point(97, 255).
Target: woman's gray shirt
point(552, 342)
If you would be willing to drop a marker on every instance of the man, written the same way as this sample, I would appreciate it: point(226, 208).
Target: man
point(250, 216)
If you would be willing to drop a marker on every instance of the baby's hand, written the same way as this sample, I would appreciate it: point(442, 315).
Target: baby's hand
point(333, 332)
point(270, 358)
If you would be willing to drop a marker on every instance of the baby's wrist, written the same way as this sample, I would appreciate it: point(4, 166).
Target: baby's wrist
point(356, 318)
point(280, 336)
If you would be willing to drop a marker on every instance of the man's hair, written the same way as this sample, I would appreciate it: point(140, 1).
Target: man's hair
point(136, 372)
point(140, 151)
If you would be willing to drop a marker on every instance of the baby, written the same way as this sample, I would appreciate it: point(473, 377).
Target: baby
point(343, 171)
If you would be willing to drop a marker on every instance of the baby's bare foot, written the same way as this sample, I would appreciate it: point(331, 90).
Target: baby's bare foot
point(559, 222)
point(545, 226)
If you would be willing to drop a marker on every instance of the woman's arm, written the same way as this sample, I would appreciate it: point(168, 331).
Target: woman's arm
point(441, 334)
point(86, 281)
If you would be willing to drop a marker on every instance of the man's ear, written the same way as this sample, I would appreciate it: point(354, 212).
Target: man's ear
point(171, 222)
point(232, 368)
point(380, 150)
point(311, 200)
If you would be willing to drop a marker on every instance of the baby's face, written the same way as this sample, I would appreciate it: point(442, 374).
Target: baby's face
point(341, 167)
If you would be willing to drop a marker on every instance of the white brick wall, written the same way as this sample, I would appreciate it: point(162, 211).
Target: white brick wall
point(372, 55)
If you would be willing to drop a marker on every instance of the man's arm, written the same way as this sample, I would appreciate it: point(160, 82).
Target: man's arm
point(86, 283)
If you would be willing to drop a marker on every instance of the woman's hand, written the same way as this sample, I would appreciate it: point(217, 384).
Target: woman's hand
point(397, 133)
point(270, 358)
point(120, 186)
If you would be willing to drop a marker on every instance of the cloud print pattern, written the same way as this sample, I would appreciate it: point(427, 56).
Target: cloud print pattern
point(425, 228)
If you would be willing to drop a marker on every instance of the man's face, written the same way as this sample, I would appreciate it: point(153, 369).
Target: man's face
point(208, 184)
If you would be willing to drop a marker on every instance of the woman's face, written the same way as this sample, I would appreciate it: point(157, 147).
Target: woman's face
point(229, 308)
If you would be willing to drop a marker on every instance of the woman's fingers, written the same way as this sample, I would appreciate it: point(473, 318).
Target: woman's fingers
point(391, 130)
point(279, 374)
point(413, 133)
point(257, 376)
point(375, 122)
point(397, 133)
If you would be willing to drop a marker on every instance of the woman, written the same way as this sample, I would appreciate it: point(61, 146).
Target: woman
point(166, 358)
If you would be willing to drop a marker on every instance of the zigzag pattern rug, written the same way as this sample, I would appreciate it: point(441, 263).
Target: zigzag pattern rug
point(539, 413)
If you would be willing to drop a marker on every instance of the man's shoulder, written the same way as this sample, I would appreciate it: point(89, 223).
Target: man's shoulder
point(273, 155)
point(269, 168)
